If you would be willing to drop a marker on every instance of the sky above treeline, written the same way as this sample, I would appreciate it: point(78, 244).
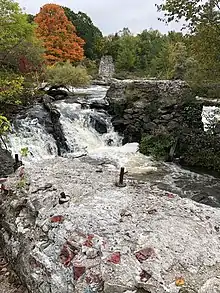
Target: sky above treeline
point(112, 15)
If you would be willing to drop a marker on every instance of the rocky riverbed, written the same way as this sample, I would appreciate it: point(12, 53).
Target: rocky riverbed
point(66, 227)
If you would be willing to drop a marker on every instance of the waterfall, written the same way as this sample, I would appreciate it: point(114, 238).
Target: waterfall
point(210, 117)
point(29, 133)
point(80, 124)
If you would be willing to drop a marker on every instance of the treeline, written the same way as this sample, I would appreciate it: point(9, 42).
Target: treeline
point(193, 57)
point(71, 44)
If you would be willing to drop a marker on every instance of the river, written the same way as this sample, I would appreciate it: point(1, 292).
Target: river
point(82, 138)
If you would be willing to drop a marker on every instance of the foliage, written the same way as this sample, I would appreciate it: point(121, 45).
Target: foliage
point(67, 74)
point(27, 57)
point(91, 67)
point(157, 145)
point(24, 151)
point(204, 47)
point(13, 26)
point(202, 18)
point(11, 86)
point(18, 44)
point(148, 54)
point(5, 127)
point(200, 150)
point(193, 12)
point(58, 35)
point(126, 57)
point(87, 31)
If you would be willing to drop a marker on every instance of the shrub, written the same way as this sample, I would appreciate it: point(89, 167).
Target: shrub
point(5, 127)
point(157, 145)
point(67, 74)
point(11, 88)
point(91, 67)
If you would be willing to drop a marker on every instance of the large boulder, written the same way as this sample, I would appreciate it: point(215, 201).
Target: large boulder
point(102, 238)
point(6, 163)
point(57, 130)
point(98, 123)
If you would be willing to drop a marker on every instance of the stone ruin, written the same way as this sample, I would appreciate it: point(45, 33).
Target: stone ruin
point(106, 67)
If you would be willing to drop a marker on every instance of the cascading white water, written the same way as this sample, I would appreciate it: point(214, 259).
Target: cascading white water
point(210, 116)
point(79, 132)
point(82, 138)
point(28, 133)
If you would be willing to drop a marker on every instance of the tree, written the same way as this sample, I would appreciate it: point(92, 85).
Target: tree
point(202, 18)
point(30, 18)
point(58, 35)
point(193, 12)
point(126, 54)
point(86, 30)
point(204, 46)
point(14, 28)
point(149, 46)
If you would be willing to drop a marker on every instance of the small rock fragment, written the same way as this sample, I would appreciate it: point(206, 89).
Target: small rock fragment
point(152, 212)
point(88, 241)
point(144, 254)
point(78, 271)
point(57, 219)
point(144, 276)
point(180, 281)
point(115, 258)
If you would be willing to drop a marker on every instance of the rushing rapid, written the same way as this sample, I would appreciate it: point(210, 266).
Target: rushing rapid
point(89, 133)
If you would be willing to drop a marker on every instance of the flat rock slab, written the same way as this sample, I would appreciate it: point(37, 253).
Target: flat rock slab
point(103, 238)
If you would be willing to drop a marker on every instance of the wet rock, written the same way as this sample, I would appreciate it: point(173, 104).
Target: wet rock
point(144, 102)
point(217, 128)
point(99, 124)
point(6, 163)
point(99, 104)
point(58, 94)
point(56, 126)
point(150, 126)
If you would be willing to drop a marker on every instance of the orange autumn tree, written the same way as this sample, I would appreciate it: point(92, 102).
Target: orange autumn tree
point(58, 35)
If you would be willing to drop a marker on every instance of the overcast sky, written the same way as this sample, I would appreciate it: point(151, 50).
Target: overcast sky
point(111, 15)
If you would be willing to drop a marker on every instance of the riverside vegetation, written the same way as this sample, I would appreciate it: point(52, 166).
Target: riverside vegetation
point(62, 47)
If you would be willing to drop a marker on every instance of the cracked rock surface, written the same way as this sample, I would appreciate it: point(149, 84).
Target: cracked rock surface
point(103, 238)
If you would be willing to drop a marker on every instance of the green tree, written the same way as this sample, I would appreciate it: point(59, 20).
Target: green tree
point(193, 12)
point(202, 17)
point(111, 46)
point(86, 30)
point(14, 27)
point(126, 54)
point(204, 46)
point(19, 48)
point(30, 18)
point(149, 46)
